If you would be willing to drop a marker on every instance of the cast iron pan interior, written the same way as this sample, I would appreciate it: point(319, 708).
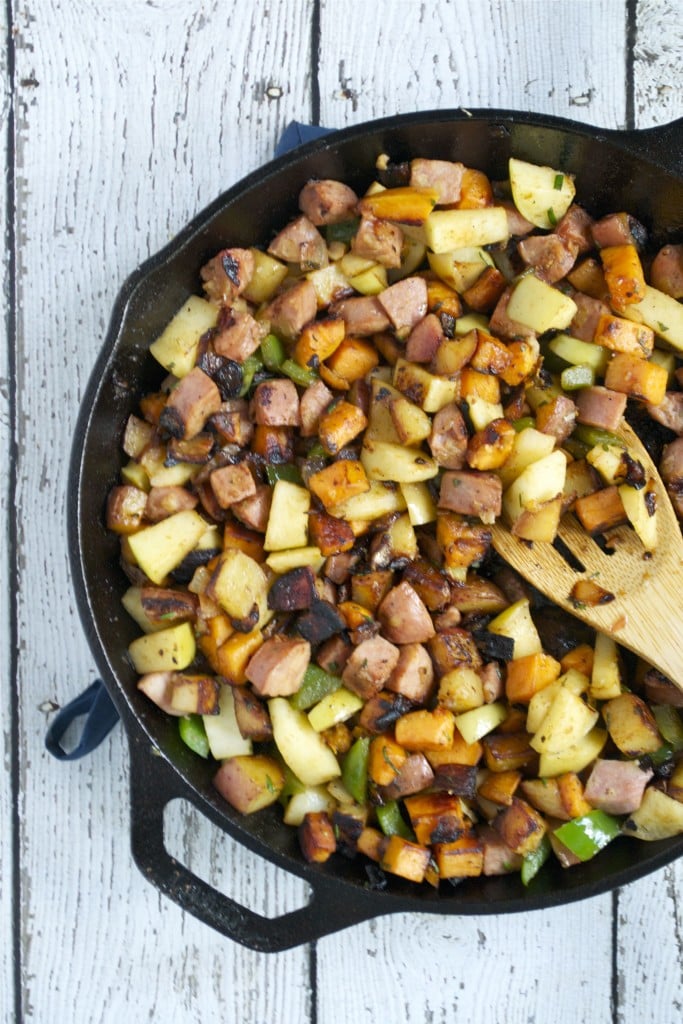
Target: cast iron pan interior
point(640, 172)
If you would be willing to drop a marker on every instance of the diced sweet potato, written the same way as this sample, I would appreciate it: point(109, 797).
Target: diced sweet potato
point(406, 859)
point(521, 827)
point(316, 837)
point(463, 858)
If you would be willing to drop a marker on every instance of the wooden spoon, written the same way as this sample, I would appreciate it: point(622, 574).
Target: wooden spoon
point(646, 614)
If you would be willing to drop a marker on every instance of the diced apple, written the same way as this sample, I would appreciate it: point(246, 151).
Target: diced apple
point(302, 748)
point(567, 720)
point(222, 730)
point(662, 313)
point(516, 622)
point(539, 306)
point(642, 513)
point(288, 517)
point(541, 194)
point(160, 548)
point(574, 758)
point(169, 650)
point(446, 230)
point(384, 461)
point(462, 268)
point(540, 482)
point(334, 708)
point(176, 346)
point(529, 446)
point(240, 587)
point(480, 721)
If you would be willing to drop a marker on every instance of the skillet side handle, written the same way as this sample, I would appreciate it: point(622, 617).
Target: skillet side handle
point(152, 788)
point(664, 144)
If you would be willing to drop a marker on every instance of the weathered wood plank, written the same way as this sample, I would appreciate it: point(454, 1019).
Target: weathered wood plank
point(520, 54)
point(658, 74)
point(133, 117)
point(6, 639)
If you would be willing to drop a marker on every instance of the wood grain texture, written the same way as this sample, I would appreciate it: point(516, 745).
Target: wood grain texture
point(141, 114)
point(526, 55)
point(6, 638)
point(131, 116)
point(658, 73)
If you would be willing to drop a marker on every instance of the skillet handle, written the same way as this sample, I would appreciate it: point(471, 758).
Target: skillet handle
point(153, 785)
point(663, 144)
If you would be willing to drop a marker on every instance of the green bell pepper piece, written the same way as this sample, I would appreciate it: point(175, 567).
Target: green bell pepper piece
point(284, 471)
point(574, 377)
point(273, 352)
point(193, 734)
point(316, 684)
point(522, 423)
point(250, 367)
point(533, 862)
point(298, 374)
point(595, 435)
point(587, 835)
point(355, 769)
point(669, 724)
point(391, 821)
point(342, 232)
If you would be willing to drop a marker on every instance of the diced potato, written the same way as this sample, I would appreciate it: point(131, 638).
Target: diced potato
point(631, 725)
point(293, 558)
point(461, 268)
point(412, 424)
point(384, 461)
point(658, 817)
point(166, 650)
point(310, 800)
point(447, 230)
point(605, 676)
point(153, 461)
point(461, 689)
point(301, 747)
point(539, 306)
point(176, 346)
point(268, 275)
point(541, 194)
point(423, 388)
point(376, 501)
point(574, 758)
point(239, 585)
point(516, 623)
point(662, 313)
point(529, 446)
point(194, 694)
point(566, 722)
point(541, 481)
point(333, 708)
point(160, 548)
point(478, 722)
point(483, 412)
point(329, 282)
point(222, 730)
point(642, 512)
point(288, 518)
point(419, 502)
point(250, 782)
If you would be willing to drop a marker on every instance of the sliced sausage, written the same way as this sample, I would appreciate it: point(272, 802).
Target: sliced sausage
point(255, 510)
point(600, 407)
point(363, 316)
point(378, 240)
point(666, 272)
point(327, 202)
point(405, 303)
point(557, 418)
point(588, 312)
point(424, 339)
point(300, 242)
point(404, 616)
point(618, 229)
point(292, 310)
point(444, 176)
point(276, 403)
point(227, 274)
point(669, 412)
point(239, 335)
point(370, 666)
point(502, 326)
point(190, 405)
point(277, 669)
point(413, 676)
point(575, 229)
point(551, 257)
point(449, 438)
point(232, 483)
point(616, 787)
point(312, 405)
point(472, 494)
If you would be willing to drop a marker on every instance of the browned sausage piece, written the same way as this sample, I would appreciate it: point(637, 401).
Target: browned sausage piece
point(424, 339)
point(666, 272)
point(404, 616)
point(405, 303)
point(378, 240)
point(502, 326)
point(413, 676)
point(575, 229)
point(232, 483)
point(472, 494)
point(449, 438)
point(190, 404)
point(616, 787)
point(370, 666)
point(327, 201)
point(618, 229)
point(291, 311)
point(600, 407)
point(238, 336)
point(557, 417)
point(550, 256)
point(227, 274)
point(300, 242)
point(277, 669)
point(165, 501)
point(669, 412)
point(363, 316)
point(588, 312)
point(444, 176)
point(313, 403)
point(254, 511)
point(276, 403)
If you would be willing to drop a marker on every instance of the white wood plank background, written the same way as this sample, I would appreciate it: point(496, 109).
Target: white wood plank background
point(129, 116)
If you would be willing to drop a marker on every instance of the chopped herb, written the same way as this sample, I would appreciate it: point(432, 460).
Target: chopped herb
point(662, 327)
point(269, 784)
point(551, 216)
point(559, 181)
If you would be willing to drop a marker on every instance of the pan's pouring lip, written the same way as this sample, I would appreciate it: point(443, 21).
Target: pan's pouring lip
point(93, 440)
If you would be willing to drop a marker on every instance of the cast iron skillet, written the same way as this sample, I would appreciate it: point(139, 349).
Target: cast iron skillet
point(637, 171)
